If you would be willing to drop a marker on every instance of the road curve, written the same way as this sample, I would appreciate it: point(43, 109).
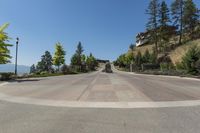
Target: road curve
point(102, 87)
point(105, 88)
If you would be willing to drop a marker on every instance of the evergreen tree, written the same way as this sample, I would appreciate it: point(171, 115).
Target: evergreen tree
point(91, 62)
point(164, 15)
point(39, 67)
point(79, 52)
point(177, 16)
point(59, 56)
point(74, 60)
point(190, 17)
point(4, 51)
point(138, 59)
point(65, 69)
point(164, 30)
point(152, 25)
point(32, 69)
point(131, 47)
point(45, 65)
point(146, 56)
point(77, 58)
point(47, 61)
point(191, 59)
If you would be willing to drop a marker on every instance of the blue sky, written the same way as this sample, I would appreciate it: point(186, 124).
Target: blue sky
point(105, 27)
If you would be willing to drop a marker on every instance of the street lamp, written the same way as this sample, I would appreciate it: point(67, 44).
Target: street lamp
point(17, 42)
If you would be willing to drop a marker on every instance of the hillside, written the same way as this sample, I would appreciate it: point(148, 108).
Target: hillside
point(176, 54)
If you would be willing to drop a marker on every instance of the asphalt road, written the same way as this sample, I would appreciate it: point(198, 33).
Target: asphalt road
point(100, 87)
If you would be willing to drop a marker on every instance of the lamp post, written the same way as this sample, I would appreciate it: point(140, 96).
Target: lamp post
point(17, 42)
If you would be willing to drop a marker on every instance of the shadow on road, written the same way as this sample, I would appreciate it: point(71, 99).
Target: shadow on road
point(25, 80)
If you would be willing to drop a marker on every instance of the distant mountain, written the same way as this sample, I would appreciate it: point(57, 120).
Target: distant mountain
point(11, 68)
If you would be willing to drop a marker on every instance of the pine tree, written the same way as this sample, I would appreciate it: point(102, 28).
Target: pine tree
point(177, 16)
point(47, 61)
point(146, 56)
point(164, 20)
point(131, 47)
point(152, 25)
point(45, 65)
point(164, 14)
point(191, 58)
point(138, 59)
point(59, 56)
point(91, 62)
point(4, 51)
point(32, 69)
point(190, 17)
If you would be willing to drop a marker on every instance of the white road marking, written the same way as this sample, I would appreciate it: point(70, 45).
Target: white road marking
point(82, 104)
point(2, 84)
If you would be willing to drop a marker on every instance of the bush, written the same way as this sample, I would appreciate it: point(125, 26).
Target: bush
point(190, 60)
point(43, 73)
point(197, 65)
point(6, 76)
point(150, 66)
point(65, 69)
point(179, 66)
point(164, 59)
point(166, 66)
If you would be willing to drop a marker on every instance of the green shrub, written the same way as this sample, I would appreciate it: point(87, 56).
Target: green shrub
point(6, 76)
point(179, 66)
point(166, 66)
point(190, 60)
point(197, 65)
point(65, 69)
point(150, 66)
point(43, 73)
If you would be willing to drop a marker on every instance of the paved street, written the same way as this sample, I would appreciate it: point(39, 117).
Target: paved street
point(28, 115)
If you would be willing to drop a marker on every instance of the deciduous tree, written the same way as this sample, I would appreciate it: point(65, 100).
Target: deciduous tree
point(59, 56)
point(4, 51)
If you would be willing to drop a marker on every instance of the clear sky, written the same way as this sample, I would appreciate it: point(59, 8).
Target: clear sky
point(105, 27)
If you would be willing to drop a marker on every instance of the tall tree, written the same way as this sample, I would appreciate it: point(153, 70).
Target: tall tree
point(59, 56)
point(190, 17)
point(146, 57)
point(47, 61)
point(152, 25)
point(4, 51)
point(177, 16)
point(32, 69)
point(164, 14)
point(131, 47)
point(164, 20)
point(138, 59)
point(79, 52)
point(78, 57)
point(91, 62)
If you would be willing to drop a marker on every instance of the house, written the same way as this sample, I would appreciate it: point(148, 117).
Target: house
point(142, 38)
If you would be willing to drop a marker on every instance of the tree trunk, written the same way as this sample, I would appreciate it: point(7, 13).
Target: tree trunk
point(181, 26)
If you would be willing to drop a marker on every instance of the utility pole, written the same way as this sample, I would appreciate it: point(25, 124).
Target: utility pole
point(17, 42)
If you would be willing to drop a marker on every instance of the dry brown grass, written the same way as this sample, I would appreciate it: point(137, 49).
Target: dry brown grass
point(177, 54)
point(142, 49)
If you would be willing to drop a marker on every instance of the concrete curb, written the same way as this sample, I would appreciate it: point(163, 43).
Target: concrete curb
point(4, 83)
point(163, 76)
